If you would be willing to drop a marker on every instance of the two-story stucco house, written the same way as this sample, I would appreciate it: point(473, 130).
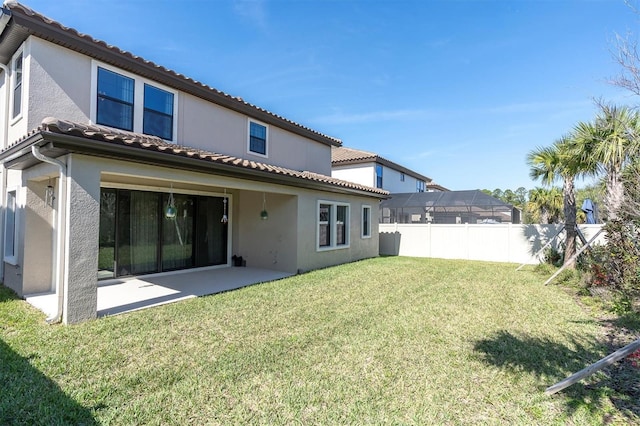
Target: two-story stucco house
point(368, 168)
point(113, 166)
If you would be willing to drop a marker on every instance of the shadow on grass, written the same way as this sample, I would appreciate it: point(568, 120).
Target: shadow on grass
point(28, 397)
point(552, 361)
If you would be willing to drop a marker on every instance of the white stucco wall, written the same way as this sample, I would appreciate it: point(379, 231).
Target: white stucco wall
point(391, 181)
point(493, 242)
point(364, 174)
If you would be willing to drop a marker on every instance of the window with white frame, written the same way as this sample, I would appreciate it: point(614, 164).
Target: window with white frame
point(258, 138)
point(158, 112)
point(10, 227)
point(419, 185)
point(129, 102)
point(17, 85)
point(366, 222)
point(333, 225)
point(115, 100)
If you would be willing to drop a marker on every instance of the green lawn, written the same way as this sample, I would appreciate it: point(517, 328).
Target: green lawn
point(382, 341)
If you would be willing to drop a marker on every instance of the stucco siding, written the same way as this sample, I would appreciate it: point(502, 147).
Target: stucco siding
point(81, 248)
point(59, 83)
point(391, 181)
point(309, 257)
point(271, 243)
point(39, 230)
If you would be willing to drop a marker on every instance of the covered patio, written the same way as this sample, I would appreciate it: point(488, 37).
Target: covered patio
point(130, 294)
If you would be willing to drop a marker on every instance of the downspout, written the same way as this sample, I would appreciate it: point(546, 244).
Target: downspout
point(58, 265)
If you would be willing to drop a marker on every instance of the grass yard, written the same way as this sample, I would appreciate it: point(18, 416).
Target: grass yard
point(383, 341)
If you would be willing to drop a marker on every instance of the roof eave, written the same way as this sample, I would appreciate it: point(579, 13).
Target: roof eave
point(56, 144)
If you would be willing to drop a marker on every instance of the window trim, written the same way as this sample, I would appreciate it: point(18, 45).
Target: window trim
point(365, 228)
point(266, 141)
point(138, 100)
point(333, 225)
point(13, 257)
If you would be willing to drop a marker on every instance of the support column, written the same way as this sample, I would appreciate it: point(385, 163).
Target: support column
point(81, 248)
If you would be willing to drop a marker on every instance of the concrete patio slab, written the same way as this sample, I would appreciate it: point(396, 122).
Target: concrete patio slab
point(131, 294)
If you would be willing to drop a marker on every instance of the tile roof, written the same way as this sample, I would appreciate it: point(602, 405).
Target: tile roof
point(156, 144)
point(344, 156)
point(55, 32)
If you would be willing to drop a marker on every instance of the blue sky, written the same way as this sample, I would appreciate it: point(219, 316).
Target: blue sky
point(457, 90)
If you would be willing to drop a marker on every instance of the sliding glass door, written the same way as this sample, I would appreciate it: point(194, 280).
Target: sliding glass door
point(136, 237)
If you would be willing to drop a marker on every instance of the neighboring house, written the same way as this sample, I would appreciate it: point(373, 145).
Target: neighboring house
point(367, 168)
point(113, 166)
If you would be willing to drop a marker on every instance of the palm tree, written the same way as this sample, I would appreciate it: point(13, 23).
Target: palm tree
point(559, 162)
point(545, 204)
point(607, 145)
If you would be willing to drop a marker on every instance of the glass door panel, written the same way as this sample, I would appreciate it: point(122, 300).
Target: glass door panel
point(138, 229)
point(107, 236)
point(211, 233)
point(177, 234)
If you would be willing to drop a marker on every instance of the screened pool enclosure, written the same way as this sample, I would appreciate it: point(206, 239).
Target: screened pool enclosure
point(447, 207)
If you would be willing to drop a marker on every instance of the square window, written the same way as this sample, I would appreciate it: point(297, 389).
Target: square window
point(257, 138)
point(115, 100)
point(333, 225)
point(158, 113)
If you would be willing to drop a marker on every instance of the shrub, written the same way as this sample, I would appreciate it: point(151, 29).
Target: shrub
point(616, 265)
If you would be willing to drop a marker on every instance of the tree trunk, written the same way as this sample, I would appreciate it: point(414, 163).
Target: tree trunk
point(569, 222)
point(614, 196)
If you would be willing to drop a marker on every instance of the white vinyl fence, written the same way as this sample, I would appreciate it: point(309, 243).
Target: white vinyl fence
point(489, 242)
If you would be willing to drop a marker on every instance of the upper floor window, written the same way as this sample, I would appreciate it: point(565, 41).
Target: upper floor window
point(17, 86)
point(419, 185)
point(129, 102)
point(158, 112)
point(115, 100)
point(401, 177)
point(378, 175)
point(257, 138)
